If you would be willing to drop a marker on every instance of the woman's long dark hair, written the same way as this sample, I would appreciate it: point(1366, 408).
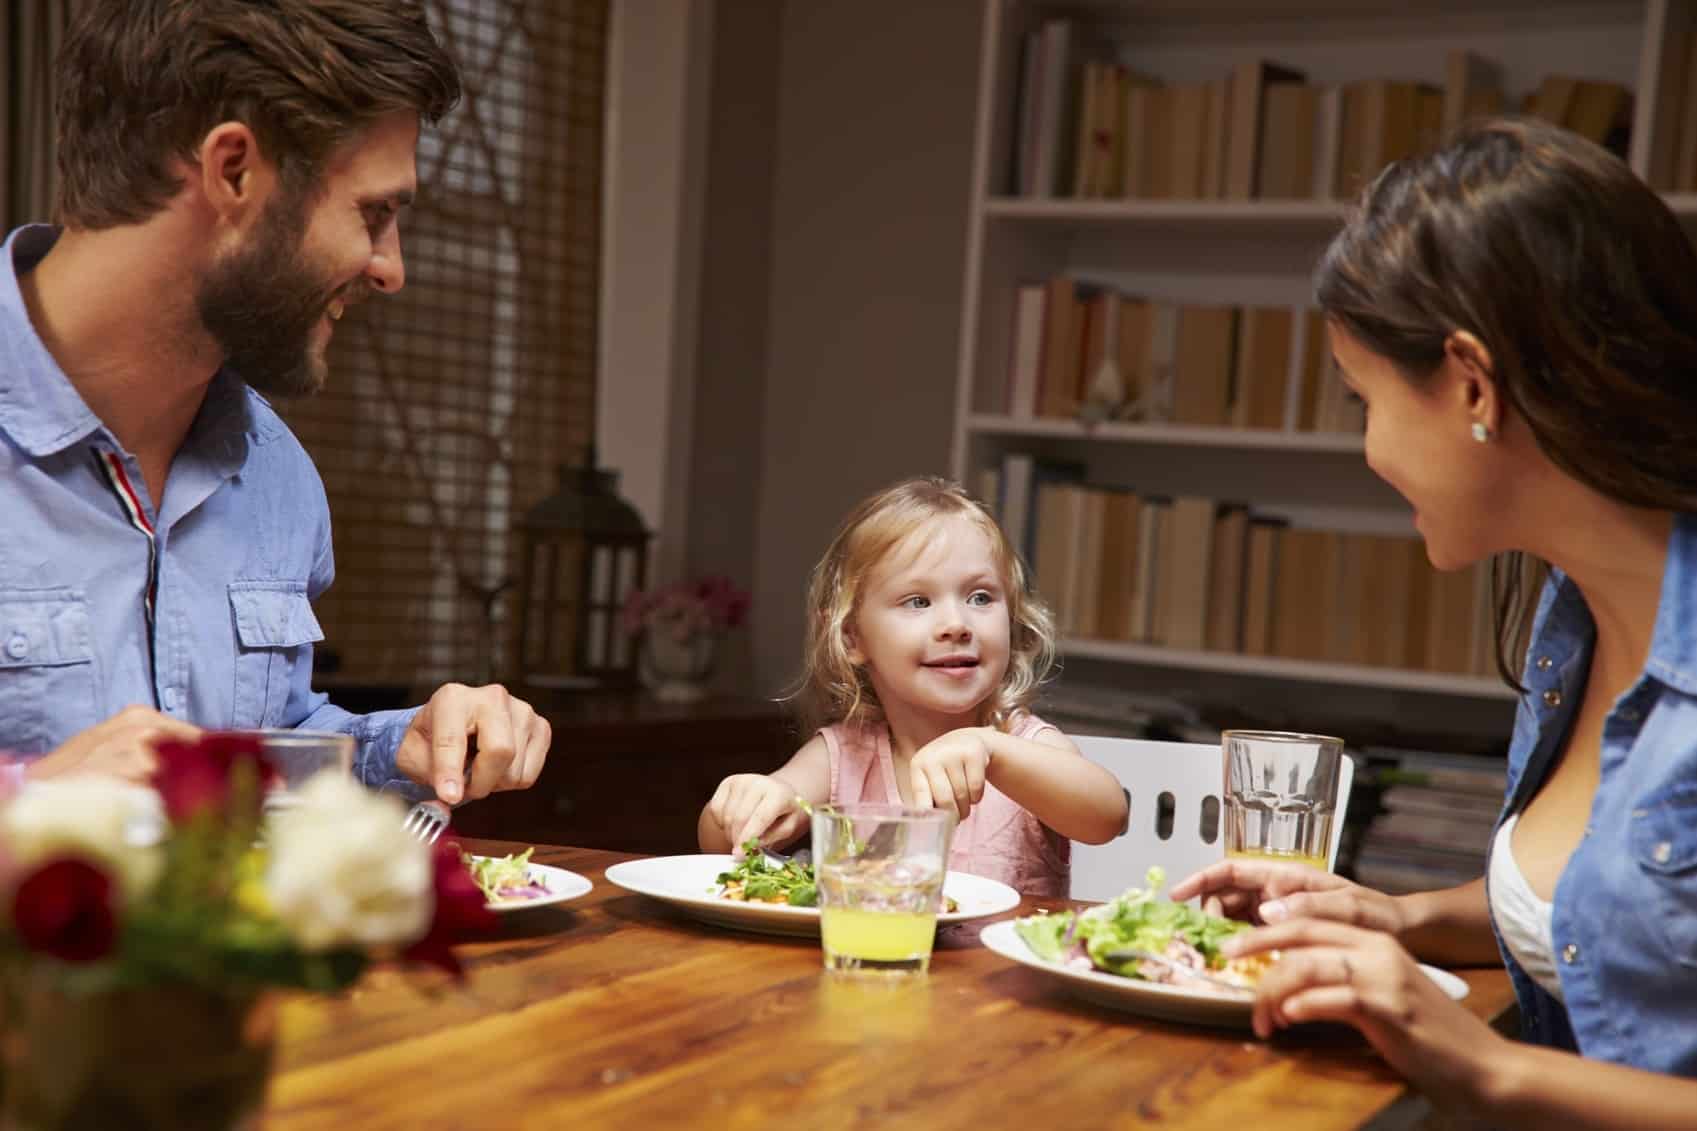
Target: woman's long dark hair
point(1578, 280)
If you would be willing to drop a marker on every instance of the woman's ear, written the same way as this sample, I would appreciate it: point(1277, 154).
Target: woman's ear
point(1474, 375)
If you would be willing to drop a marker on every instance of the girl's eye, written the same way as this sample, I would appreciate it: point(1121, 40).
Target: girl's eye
point(982, 597)
point(917, 603)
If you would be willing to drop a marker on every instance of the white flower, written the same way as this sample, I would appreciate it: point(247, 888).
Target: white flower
point(343, 870)
point(111, 824)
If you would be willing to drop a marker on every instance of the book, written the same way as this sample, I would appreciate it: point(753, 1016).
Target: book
point(1301, 625)
point(1473, 86)
point(1262, 367)
point(1063, 329)
point(1260, 583)
point(1185, 565)
point(1246, 93)
point(1122, 523)
point(1228, 562)
point(1202, 369)
point(1287, 145)
point(1152, 533)
point(1025, 349)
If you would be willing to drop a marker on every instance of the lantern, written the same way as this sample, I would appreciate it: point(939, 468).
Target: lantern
point(582, 551)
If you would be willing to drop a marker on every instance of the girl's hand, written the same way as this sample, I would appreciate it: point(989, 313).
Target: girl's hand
point(759, 807)
point(1266, 891)
point(948, 772)
point(1365, 979)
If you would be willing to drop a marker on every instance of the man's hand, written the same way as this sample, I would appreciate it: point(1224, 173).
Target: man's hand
point(512, 742)
point(120, 747)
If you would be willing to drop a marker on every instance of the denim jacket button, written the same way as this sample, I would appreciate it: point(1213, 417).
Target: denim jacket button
point(1544, 663)
point(18, 646)
point(1552, 698)
point(1662, 852)
point(1570, 953)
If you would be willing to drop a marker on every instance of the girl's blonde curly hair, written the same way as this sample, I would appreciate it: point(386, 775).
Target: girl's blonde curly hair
point(832, 689)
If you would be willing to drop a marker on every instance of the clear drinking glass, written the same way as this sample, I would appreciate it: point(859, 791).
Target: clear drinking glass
point(298, 755)
point(1281, 792)
point(880, 872)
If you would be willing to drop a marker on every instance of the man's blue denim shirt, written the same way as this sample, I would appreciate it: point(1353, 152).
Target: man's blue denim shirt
point(228, 567)
point(1625, 919)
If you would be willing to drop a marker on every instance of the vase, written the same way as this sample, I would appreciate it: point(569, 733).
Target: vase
point(143, 1059)
point(676, 670)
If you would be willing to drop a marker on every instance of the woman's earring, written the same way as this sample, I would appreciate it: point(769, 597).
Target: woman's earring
point(1481, 433)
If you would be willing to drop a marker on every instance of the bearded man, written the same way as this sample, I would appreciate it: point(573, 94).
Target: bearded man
point(233, 176)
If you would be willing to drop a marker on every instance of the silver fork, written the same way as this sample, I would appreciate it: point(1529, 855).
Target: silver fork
point(427, 821)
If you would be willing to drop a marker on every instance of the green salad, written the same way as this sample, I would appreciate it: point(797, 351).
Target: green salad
point(1136, 919)
point(755, 879)
point(505, 879)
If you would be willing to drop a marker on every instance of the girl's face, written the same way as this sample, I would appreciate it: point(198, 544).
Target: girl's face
point(932, 625)
point(1419, 440)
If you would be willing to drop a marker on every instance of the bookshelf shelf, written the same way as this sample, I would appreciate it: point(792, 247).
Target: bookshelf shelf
point(1076, 257)
point(1304, 671)
point(1175, 435)
point(1320, 214)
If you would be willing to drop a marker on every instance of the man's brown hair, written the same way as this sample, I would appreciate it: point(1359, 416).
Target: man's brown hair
point(141, 83)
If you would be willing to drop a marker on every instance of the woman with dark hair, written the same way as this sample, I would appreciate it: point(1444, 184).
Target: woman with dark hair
point(1519, 314)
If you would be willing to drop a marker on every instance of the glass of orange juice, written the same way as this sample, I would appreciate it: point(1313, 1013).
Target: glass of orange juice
point(1281, 792)
point(880, 872)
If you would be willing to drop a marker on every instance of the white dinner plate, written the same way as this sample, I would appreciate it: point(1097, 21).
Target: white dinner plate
point(563, 887)
point(691, 884)
point(1152, 999)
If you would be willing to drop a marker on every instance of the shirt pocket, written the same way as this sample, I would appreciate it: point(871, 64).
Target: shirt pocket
point(275, 632)
point(1664, 844)
point(48, 680)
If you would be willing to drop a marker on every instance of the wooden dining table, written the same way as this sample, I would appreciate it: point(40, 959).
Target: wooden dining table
point(617, 1010)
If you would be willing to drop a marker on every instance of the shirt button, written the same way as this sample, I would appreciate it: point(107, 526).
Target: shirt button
point(1553, 698)
point(18, 646)
point(1570, 953)
point(1544, 663)
point(1662, 852)
point(170, 698)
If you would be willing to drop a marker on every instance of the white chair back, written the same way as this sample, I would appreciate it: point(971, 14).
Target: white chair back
point(1191, 775)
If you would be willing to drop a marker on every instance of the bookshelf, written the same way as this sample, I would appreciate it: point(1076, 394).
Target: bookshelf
point(1217, 248)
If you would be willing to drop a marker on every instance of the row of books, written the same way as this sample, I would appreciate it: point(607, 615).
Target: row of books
point(1090, 127)
point(1081, 350)
point(1436, 816)
point(1200, 574)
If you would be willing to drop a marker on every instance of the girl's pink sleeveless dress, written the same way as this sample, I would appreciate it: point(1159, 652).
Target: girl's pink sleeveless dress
point(998, 839)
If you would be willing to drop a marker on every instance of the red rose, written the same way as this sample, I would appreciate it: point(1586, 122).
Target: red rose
point(64, 908)
point(195, 776)
point(461, 911)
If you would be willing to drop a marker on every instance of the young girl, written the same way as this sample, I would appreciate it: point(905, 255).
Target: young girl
point(923, 650)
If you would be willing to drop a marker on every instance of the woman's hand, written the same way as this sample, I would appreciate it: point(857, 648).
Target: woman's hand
point(1266, 891)
point(1363, 978)
point(948, 772)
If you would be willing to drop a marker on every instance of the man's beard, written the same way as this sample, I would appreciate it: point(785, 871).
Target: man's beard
point(262, 304)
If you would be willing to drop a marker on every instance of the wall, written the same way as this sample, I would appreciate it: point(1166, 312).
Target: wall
point(868, 237)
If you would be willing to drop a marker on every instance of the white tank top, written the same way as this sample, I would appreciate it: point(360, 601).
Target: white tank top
point(1523, 920)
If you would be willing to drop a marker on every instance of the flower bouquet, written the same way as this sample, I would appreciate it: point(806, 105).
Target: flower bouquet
point(680, 625)
point(143, 933)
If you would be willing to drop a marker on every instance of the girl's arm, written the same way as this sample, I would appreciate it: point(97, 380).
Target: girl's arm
point(1048, 776)
point(763, 806)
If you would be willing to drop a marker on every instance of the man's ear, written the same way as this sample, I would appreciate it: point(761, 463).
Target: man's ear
point(236, 178)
